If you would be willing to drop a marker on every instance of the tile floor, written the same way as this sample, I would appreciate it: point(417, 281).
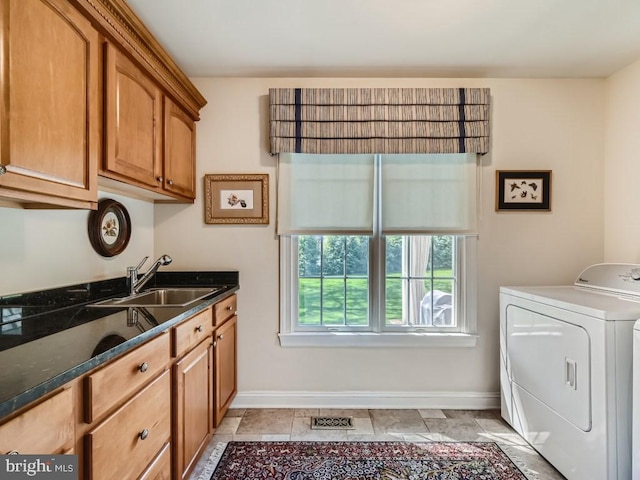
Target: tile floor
point(410, 425)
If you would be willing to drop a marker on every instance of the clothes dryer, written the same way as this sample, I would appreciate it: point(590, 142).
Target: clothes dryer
point(566, 369)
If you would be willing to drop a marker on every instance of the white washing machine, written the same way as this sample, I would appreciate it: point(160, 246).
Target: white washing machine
point(636, 403)
point(566, 369)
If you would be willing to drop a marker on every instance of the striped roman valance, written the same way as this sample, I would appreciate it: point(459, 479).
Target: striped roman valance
point(379, 120)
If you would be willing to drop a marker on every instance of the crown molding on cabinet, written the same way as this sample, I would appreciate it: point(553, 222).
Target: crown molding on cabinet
point(116, 20)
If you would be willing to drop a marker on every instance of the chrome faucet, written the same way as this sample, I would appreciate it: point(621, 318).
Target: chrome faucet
point(135, 284)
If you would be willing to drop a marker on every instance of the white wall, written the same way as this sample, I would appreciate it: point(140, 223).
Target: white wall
point(536, 124)
point(622, 166)
point(42, 249)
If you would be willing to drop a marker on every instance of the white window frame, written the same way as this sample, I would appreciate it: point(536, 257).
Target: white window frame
point(378, 335)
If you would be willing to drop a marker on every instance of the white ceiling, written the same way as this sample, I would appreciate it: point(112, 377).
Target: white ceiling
point(396, 38)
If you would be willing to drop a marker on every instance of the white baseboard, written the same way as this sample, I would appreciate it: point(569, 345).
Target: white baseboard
point(421, 400)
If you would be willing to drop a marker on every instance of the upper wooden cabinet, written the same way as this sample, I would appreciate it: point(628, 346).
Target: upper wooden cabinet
point(71, 108)
point(133, 122)
point(179, 151)
point(49, 107)
point(144, 146)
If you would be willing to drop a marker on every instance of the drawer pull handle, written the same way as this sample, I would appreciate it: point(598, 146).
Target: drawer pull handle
point(230, 307)
point(143, 367)
point(143, 434)
point(220, 336)
point(199, 328)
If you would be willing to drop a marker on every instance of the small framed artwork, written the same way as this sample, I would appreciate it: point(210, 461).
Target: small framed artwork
point(242, 198)
point(109, 228)
point(523, 190)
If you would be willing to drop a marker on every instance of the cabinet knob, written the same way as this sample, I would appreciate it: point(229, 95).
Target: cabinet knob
point(170, 182)
point(160, 178)
point(221, 336)
point(143, 367)
point(215, 344)
point(230, 307)
point(199, 328)
point(3, 169)
point(143, 434)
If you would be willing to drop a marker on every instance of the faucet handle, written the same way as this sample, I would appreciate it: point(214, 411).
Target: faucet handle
point(142, 262)
point(134, 270)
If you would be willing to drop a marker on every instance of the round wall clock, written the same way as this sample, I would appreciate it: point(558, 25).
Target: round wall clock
point(109, 228)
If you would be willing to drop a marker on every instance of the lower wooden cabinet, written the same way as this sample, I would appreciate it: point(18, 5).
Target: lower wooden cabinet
point(124, 445)
point(225, 377)
point(193, 406)
point(47, 428)
point(146, 415)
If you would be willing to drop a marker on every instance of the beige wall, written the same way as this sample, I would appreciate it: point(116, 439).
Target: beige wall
point(42, 249)
point(536, 124)
point(622, 166)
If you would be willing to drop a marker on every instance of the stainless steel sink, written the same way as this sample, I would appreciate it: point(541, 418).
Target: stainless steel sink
point(159, 297)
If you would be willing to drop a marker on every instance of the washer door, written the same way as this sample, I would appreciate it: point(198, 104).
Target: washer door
point(550, 360)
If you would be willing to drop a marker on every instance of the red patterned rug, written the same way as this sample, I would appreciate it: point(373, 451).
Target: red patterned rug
point(365, 461)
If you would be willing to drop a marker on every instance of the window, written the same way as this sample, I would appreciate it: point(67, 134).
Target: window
point(420, 282)
point(362, 284)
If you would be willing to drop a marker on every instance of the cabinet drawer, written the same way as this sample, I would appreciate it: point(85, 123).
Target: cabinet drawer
point(160, 468)
point(191, 332)
point(225, 309)
point(47, 428)
point(115, 382)
point(124, 444)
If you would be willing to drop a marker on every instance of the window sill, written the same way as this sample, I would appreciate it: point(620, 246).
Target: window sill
point(369, 339)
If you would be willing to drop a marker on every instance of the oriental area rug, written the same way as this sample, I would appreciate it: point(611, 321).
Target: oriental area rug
point(363, 461)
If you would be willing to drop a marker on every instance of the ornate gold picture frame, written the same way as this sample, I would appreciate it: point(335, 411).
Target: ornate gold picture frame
point(233, 199)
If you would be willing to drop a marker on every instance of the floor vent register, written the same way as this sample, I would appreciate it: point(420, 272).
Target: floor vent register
point(332, 423)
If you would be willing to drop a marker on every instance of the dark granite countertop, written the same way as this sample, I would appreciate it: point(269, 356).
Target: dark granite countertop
point(50, 337)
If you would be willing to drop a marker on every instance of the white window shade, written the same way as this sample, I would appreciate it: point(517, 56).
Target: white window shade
point(429, 194)
point(325, 194)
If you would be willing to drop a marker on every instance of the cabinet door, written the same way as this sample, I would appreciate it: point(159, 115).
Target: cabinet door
point(179, 151)
point(133, 122)
point(225, 367)
point(49, 111)
point(192, 406)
